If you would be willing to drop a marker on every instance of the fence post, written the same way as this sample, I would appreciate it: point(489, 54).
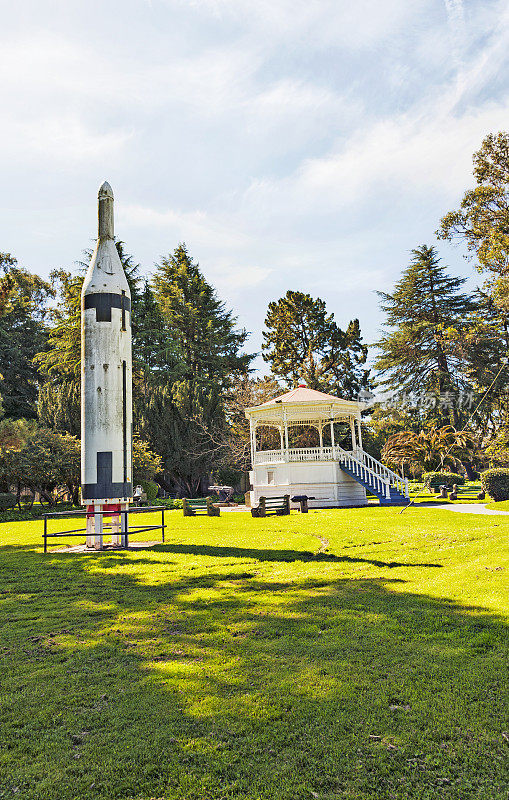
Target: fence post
point(261, 506)
point(45, 534)
point(124, 526)
point(287, 503)
point(162, 522)
point(186, 508)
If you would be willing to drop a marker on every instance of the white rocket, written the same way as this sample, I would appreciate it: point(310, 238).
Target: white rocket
point(106, 380)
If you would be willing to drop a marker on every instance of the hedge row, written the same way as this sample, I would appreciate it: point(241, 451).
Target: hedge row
point(432, 480)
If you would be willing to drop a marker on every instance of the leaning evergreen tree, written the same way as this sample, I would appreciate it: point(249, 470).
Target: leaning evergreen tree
point(201, 344)
point(302, 342)
point(59, 399)
point(482, 220)
point(426, 320)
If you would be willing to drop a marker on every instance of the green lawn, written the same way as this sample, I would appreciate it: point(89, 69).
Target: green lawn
point(340, 654)
point(502, 505)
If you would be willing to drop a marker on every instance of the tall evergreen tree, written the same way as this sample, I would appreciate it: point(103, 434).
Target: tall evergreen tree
point(204, 331)
point(427, 317)
point(23, 333)
point(485, 348)
point(201, 343)
point(304, 343)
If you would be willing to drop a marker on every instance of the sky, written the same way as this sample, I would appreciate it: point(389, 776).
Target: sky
point(292, 144)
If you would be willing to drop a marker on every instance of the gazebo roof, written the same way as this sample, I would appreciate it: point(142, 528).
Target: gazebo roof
point(304, 404)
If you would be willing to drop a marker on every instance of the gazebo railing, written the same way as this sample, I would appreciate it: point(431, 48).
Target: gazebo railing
point(362, 463)
point(295, 454)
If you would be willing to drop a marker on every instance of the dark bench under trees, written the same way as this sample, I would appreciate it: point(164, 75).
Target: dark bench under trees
point(199, 505)
point(272, 505)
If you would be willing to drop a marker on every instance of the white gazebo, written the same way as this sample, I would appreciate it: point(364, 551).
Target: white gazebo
point(336, 472)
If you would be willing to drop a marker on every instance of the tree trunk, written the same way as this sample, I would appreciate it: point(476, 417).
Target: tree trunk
point(469, 469)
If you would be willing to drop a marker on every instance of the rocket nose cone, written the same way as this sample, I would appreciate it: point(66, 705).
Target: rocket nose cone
point(105, 190)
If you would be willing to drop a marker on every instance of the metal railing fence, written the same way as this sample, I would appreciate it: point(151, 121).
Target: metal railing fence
point(124, 531)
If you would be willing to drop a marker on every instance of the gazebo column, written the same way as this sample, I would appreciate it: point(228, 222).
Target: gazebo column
point(320, 433)
point(359, 432)
point(286, 432)
point(352, 431)
point(332, 440)
point(282, 443)
point(252, 436)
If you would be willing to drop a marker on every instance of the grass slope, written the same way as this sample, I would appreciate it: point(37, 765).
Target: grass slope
point(343, 654)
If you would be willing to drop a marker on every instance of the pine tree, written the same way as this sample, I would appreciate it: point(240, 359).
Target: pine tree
point(304, 343)
point(427, 318)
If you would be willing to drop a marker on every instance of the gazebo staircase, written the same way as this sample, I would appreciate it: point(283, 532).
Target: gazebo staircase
point(388, 486)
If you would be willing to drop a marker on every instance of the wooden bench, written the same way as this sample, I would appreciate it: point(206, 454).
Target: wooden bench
point(200, 505)
point(272, 505)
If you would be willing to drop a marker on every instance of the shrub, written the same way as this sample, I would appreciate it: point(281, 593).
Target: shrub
point(7, 500)
point(151, 489)
point(434, 479)
point(175, 503)
point(496, 483)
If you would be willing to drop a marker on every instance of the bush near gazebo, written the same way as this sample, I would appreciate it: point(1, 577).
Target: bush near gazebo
point(432, 480)
point(496, 483)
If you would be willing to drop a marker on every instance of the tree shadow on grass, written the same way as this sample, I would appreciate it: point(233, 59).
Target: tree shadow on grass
point(213, 551)
point(275, 555)
point(228, 685)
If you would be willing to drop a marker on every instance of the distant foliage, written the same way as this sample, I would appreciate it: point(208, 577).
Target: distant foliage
point(495, 482)
point(45, 461)
point(23, 333)
point(7, 500)
point(146, 464)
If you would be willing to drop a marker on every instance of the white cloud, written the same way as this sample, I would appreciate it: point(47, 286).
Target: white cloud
point(309, 143)
point(62, 138)
point(200, 226)
point(328, 22)
point(456, 18)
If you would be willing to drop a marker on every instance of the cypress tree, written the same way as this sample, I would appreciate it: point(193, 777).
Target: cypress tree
point(302, 342)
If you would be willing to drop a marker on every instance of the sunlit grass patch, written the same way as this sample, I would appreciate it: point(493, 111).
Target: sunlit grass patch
point(246, 659)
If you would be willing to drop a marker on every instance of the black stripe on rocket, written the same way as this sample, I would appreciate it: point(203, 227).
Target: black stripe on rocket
point(104, 302)
point(105, 488)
